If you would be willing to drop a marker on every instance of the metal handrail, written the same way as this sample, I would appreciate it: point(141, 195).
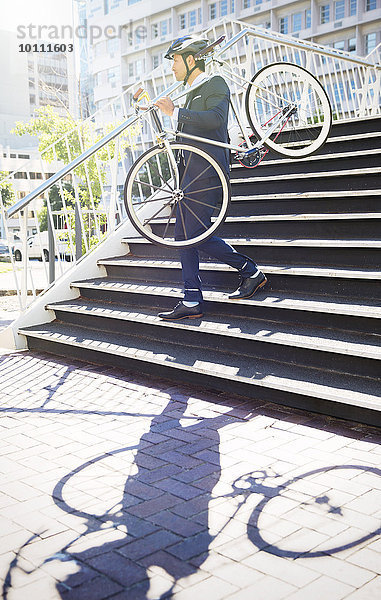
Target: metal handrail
point(80, 159)
point(130, 121)
point(303, 44)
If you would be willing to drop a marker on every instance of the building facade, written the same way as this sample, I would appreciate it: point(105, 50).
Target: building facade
point(144, 28)
point(30, 80)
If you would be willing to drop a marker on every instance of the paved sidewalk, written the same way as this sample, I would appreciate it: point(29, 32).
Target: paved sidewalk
point(115, 486)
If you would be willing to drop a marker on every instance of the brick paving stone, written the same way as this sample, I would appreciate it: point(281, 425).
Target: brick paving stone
point(177, 488)
point(367, 558)
point(237, 574)
point(150, 507)
point(160, 540)
point(192, 546)
point(369, 591)
point(177, 524)
point(266, 588)
point(292, 572)
point(192, 475)
point(117, 567)
point(99, 588)
point(323, 587)
point(212, 587)
point(170, 511)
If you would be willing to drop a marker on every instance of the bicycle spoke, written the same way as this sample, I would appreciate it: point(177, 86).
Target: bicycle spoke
point(151, 200)
point(196, 216)
point(198, 176)
point(199, 202)
point(165, 182)
point(169, 220)
point(156, 213)
point(215, 187)
point(155, 187)
point(182, 221)
point(186, 169)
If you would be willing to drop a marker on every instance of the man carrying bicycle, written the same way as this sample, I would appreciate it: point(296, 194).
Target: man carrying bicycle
point(205, 115)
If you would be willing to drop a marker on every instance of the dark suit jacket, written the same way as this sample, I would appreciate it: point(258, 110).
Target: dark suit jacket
point(206, 116)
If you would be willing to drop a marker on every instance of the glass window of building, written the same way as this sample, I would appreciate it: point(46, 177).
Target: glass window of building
point(164, 30)
point(199, 15)
point(371, 4)
point(182, 22)
point(339, 45)
point(283, 25)
point(212, 11)
point(308, 18)
point(192, 18)
point(223, 8)
point(339, 9)
point(155, 30)
point(139, 67)
point(258, 2)
point(155, 61)
point(370, 42)
point(112, 45)
point(106, 7)
point(352, 45)
point(232, 6)
point(296, 22)
point(131, 70)
point(324, 14)
point(246, 3)
point(352, 7)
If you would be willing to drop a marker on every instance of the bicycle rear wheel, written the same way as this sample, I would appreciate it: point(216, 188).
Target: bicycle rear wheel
point(177, 216)
point(272, 92)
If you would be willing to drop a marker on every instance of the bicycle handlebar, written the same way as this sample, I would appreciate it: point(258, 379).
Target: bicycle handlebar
point(209, 48)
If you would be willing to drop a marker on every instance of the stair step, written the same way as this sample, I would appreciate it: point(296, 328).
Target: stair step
point(313, 389)
point(286, 334)
point(283, 300)
point(286, 217)
point(311, 160)
point(327, 243)
point(333, 194)
point(268, 269)
point(307, 310)
point(312, 175)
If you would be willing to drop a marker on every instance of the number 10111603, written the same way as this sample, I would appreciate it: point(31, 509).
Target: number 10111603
point(46, 47)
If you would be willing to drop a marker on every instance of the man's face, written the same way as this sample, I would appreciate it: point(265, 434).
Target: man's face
point(179, 67)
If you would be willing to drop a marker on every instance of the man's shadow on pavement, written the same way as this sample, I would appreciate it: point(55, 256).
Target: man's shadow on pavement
point(164, 507)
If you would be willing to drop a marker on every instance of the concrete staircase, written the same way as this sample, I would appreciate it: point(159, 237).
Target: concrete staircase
point(310, 339)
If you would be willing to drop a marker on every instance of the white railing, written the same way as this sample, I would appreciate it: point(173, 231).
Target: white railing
point(353, 84)
point(100, 156)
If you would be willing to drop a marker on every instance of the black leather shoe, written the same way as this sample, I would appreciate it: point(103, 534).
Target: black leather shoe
point(248, 286)
point(182, 312)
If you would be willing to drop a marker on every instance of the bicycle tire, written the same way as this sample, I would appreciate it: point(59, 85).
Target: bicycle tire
point(272, 89)
point(154, 228)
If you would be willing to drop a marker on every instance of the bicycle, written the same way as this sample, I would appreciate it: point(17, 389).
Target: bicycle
point(288, 112)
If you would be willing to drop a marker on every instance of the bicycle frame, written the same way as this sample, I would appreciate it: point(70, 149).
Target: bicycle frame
point(225, 70)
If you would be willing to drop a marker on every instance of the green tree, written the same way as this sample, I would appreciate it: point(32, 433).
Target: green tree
point(56, 204)
point(8, 195)
point(64, 139)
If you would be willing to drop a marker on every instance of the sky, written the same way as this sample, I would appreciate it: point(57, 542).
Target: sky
point(36, 12)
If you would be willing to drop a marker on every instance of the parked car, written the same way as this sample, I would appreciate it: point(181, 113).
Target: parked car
point(38, 247)
point(4, 251)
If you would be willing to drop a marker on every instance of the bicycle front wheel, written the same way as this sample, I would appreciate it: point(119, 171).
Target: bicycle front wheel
point(289, 97)
point(182, 214)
